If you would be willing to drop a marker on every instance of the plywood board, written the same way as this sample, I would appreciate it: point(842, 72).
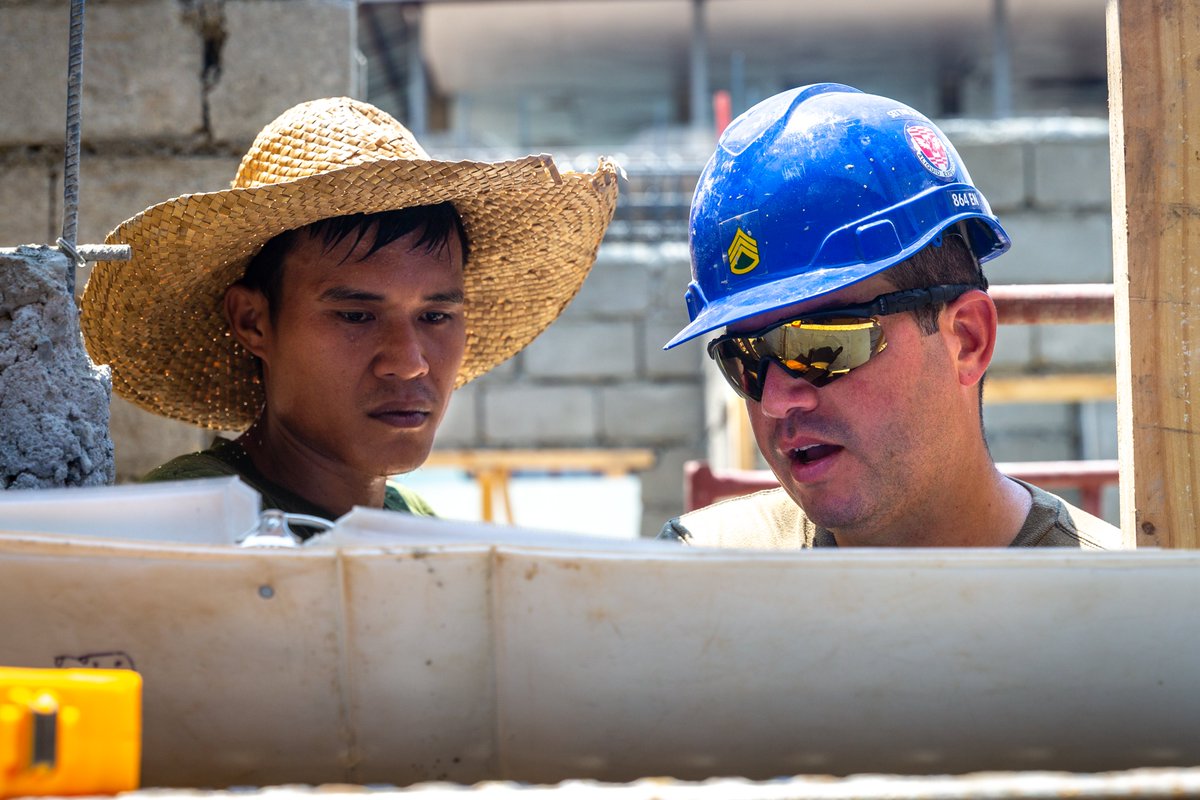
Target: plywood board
point(1154, 88)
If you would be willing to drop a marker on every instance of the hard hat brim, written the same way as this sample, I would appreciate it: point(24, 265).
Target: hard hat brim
point(800, 287)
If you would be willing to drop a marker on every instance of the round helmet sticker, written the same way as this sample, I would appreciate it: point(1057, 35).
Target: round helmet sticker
point(930, 149)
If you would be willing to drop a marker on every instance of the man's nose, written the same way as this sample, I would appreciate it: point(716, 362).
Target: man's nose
point(783, 394)
point(401, 355)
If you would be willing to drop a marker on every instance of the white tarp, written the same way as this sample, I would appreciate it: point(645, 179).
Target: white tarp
point(398, 650)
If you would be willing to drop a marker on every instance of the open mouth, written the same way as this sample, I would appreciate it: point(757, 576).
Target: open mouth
point(813, 453)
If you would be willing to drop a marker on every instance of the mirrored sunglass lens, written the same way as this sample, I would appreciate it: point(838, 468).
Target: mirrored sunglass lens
point(818, 352)
point(740, 368)
point(824, 348)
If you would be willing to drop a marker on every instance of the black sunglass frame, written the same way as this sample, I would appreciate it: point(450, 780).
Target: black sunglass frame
point(881, 306)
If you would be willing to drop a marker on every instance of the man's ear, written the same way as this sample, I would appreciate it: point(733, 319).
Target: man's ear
point(969, 323)
point(249, 317)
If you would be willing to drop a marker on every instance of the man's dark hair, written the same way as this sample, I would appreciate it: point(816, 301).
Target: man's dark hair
point(437, 224)
point(947, 260)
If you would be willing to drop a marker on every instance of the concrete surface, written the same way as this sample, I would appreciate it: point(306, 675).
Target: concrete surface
point(53, 401)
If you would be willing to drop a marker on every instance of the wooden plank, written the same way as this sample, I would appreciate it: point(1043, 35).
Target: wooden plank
point(611, 462)
point(1154, 90)
point(1060, 388)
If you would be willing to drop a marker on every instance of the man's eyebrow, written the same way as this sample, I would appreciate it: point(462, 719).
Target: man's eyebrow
point(342, 293)
point(455, 297)
point(339, 294)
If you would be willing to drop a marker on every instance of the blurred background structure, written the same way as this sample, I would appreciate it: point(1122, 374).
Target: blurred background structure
point(176, 90)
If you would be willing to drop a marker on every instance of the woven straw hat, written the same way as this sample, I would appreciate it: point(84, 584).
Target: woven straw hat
point(158, 320)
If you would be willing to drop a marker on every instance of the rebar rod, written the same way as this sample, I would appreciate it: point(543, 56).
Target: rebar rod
point(74, 123)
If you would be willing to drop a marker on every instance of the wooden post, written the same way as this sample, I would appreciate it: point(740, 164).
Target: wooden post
point(1154, 90)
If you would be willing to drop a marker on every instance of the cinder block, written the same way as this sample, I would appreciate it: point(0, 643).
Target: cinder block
point(642, 414)
point(34, 59)
point(584, 351)
point(999, 170)
point(1002, 418)
point(662, 485)
point(460, 426)
point(1020, 446)
point(141, 78)
point(1098, 429)
point(530, 416)
point(682, 361)
point(113, 189)
point(1072, 175)
point(1014, 348)
point(1076, 347)
point(616, 287)
point(1110, 505)
point(279, 53)
point(723, 412)
point(143, 441)
point(25, 205)
point(670, 284)
point(1052, 247)
point(1031, 431)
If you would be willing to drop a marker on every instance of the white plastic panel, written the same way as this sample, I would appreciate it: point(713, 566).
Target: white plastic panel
point(239, 649)
point(207, 511)
point(398, 650)
point(897, 662)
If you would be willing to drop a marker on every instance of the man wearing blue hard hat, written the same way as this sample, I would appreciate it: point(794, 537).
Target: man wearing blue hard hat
point(836, 243)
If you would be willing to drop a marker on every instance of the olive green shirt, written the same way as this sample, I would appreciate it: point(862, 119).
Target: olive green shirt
point(225, 457)
point(771, 520)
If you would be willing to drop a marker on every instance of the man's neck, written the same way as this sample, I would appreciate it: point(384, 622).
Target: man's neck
point(981, 508)
point(287, 461)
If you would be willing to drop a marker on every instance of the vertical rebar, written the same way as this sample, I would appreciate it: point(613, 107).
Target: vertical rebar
point(418, 102)
point(737, 82)
point(71, 167)
point(1002, 79)
point(700, 98)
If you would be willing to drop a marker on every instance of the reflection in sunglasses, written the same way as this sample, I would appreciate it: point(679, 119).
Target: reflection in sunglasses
point(822, 347)
point(819, 358)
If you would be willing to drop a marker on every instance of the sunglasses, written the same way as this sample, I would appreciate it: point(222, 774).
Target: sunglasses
point(820, 346)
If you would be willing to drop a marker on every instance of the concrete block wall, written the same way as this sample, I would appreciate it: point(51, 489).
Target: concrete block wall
point(174, 91)
point(598, 377)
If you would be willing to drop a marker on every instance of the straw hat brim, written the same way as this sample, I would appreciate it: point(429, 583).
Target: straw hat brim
point(158, 320)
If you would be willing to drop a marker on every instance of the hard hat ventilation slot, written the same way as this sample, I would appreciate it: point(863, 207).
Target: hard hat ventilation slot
point(877, 241)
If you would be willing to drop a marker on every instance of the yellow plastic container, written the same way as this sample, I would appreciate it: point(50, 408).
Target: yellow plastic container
point(69, 731)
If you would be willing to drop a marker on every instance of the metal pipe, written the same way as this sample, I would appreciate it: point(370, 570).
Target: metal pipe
point(737, 82)
point(417, 100)
point(1054, 303)
point(392, 74)
point(698, 74)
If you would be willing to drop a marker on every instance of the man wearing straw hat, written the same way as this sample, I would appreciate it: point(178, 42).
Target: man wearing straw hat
point(331, 300)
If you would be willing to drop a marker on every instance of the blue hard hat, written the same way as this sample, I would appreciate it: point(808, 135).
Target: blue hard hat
point(818, 188)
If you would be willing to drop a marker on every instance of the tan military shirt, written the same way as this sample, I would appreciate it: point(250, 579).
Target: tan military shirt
point(771, 520)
